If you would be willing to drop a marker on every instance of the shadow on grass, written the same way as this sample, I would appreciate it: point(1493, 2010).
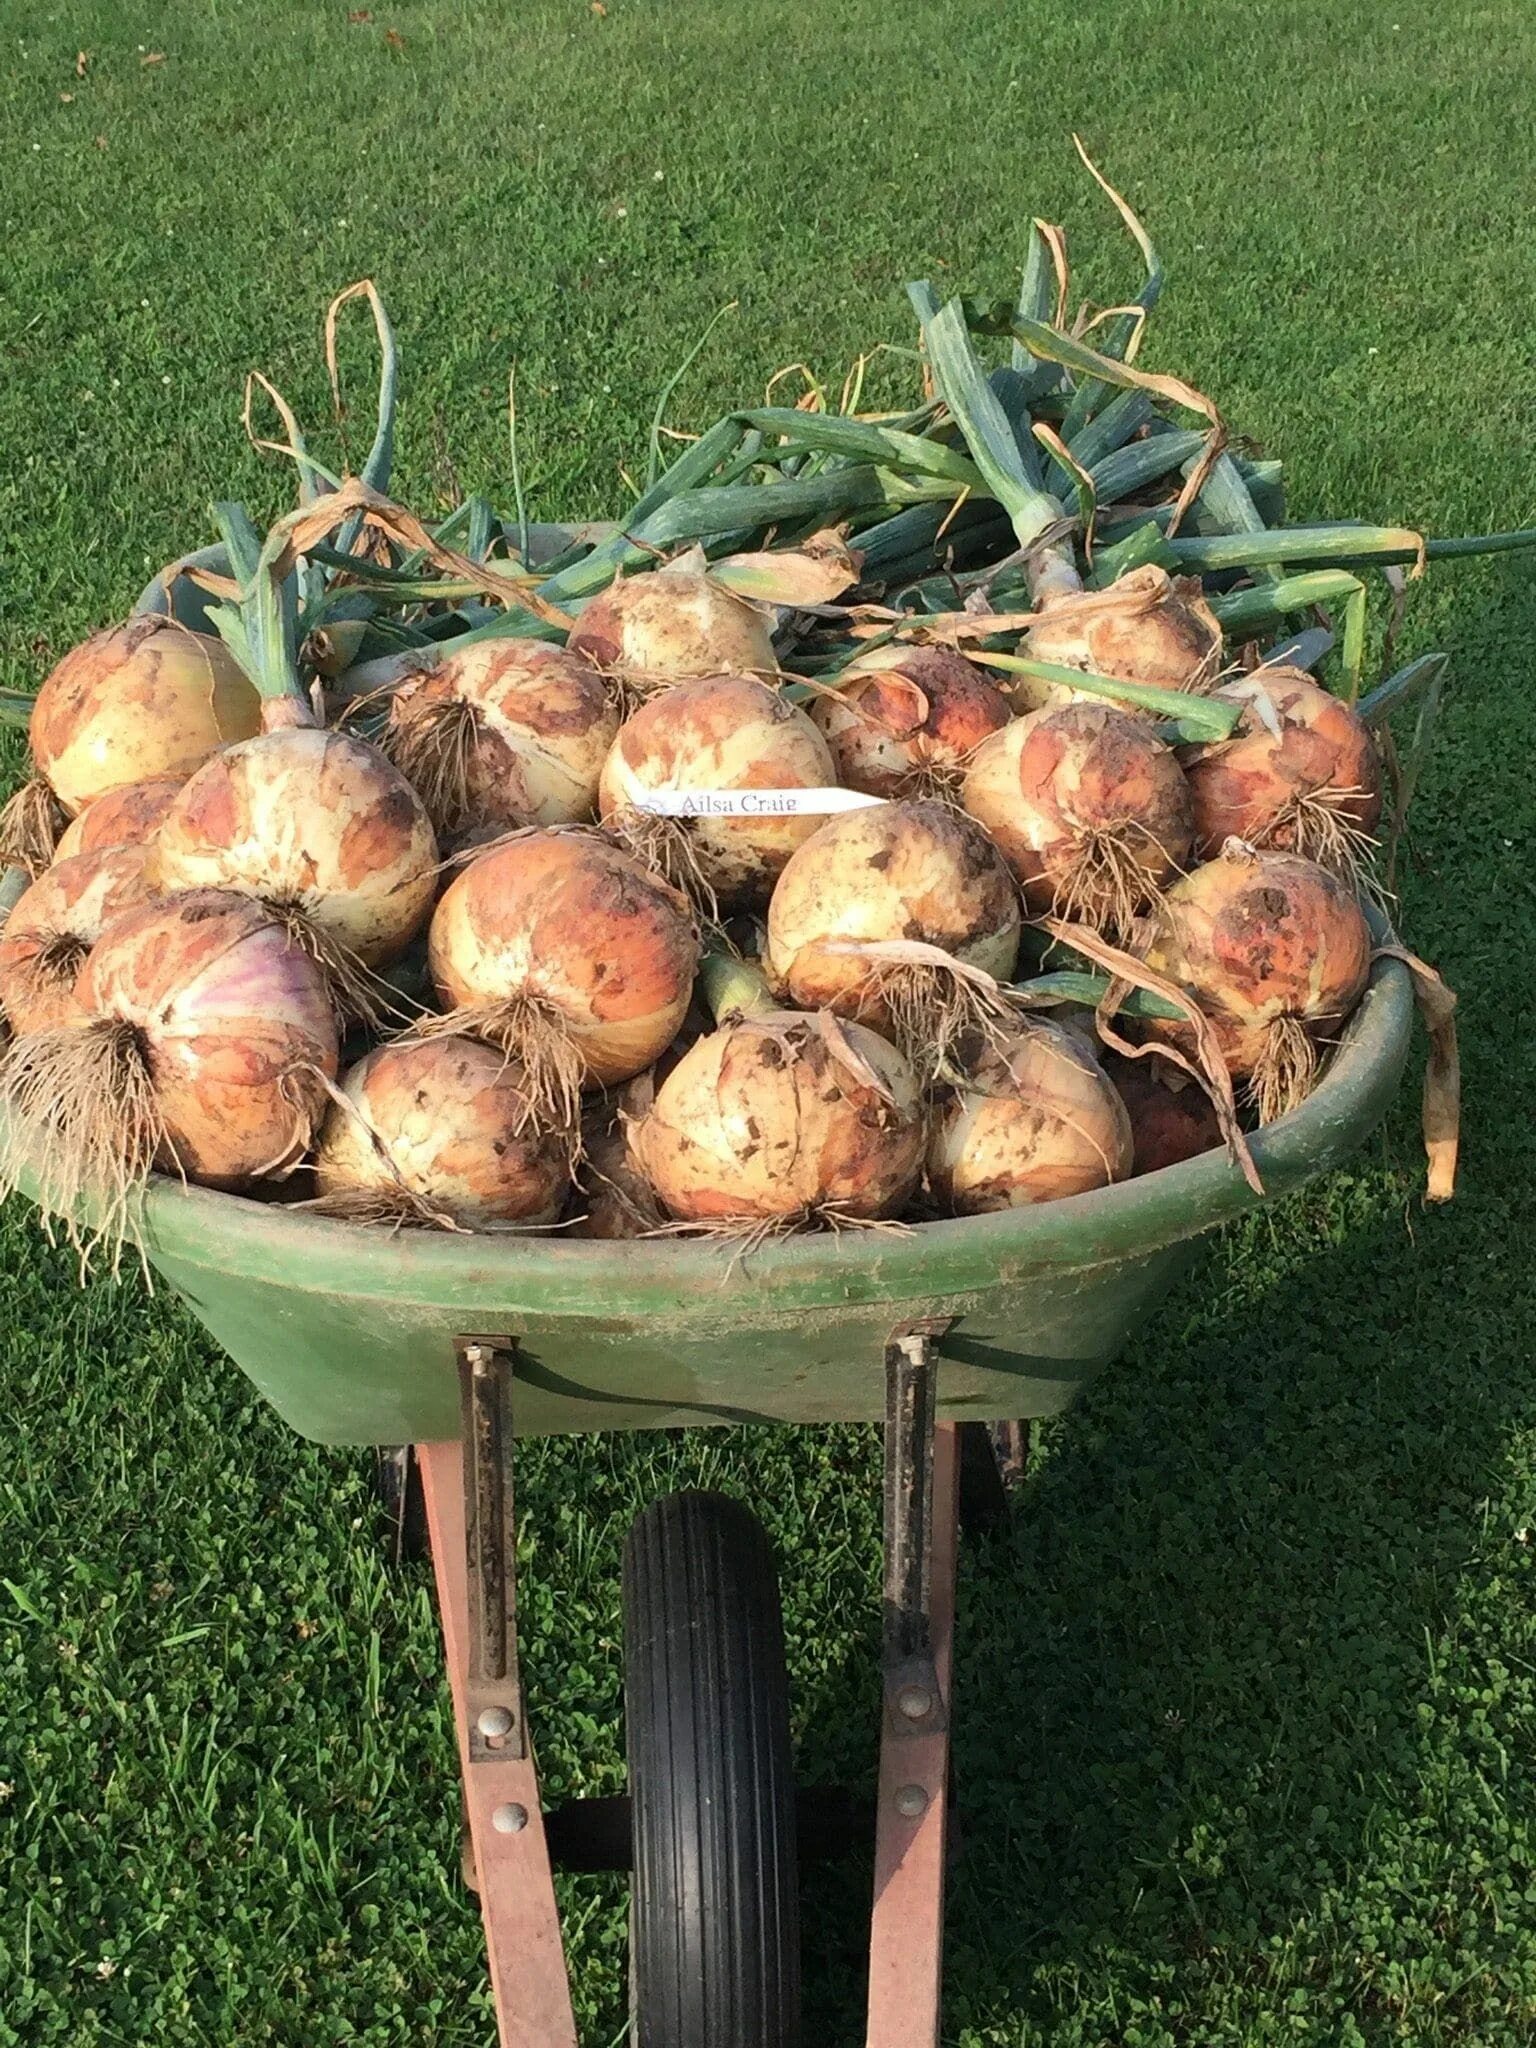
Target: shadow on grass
point(1195, 1673)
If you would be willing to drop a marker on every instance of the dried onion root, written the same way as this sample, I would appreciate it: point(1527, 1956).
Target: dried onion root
point(204, 1049)
point(1089, 809)
point(714, 733)
point(51, 930)
point(1276, 951)
point(502, 734)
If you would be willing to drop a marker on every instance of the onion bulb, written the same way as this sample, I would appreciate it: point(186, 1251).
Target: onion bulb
point(1301, 774)
point(905, 721)
point(206, 1048)
point(1034, 1118)
point(781, 1119)
point(439, 1131)
point(54, 925)
point(613, 1199)
point(504, 733)
point(123, 817)
point(902, 916)
point(1276, 952)
point(672, 622)
point(1089, 809)
point(1172, 1117)
point(568, 954)
point(715, 732)
point(143, 699)
point(322, 828)
point(1147, 627)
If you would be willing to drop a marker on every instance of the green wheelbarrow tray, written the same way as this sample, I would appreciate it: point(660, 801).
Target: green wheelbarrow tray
point(350, 1331)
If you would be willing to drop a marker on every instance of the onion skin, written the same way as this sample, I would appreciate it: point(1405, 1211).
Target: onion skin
point(236, 1024)
point(762, 1121)
point(1246, 787)
point(919, 871)
point(1042, 1121)
point(542, 726)
point(313, 821)
point(1147, 627)
point(123, 817)
point(1172, 1117)
point(453, 1120)
point(581, 927)
point(1047, 779)
point(721, 732)
point(144, 699)
point(1258, 939)
point(73, 900)
point(670, 623)
point(901, 715)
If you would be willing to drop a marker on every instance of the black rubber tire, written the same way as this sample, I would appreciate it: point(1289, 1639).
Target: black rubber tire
point(715, 1915)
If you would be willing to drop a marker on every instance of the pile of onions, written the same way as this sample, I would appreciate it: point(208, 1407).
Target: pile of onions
point(502, 734)
point(148, 698)
point(1033, 1118)
point(905, 721)
point(1276, 951)
point(1147, 627)
point(439, 1131)
point(902, 916)
point(54, 925)
point(569, 955)
point(205, 1048)
point(322, 828)
point(1172, 1117)
point(123, 817)
point(672, 622)
point(1301, 774)
point(714, 733)
point(1089, 808)
point(779, 1118)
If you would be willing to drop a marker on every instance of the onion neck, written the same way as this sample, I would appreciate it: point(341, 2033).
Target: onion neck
point(733, 987)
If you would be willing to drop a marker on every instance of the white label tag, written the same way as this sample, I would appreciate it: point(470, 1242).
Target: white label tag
point(751, 803)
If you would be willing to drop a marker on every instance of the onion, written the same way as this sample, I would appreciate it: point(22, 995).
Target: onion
point(570, 955)
point(905, 721)
point(206, 1051)
point(143, 699)
point(778, 1118)
point(1172, 1117)
point(54, 925)
point(863, 910)
point(1300, 774)
point(123, 817)
point(441, 1131)
point(504, 733)
point(1147, 627)
point(322, 828)
point(1276, 951)
point(673, 622)
point(1034, 1118)
point(613, 1199)
point(716, 732)
point(1089, 809)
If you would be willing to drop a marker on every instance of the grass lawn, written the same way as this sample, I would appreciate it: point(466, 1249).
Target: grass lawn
point(1247, 1692)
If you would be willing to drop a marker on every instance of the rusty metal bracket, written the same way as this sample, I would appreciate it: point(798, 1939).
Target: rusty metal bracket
point(914, 1703)
point(493, 1689)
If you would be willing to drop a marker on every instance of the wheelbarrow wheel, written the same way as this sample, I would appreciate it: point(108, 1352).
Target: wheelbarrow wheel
point(715, 1909)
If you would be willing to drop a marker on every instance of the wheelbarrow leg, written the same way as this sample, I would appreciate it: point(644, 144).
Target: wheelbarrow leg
point(922, 1466)
point(468, 1493)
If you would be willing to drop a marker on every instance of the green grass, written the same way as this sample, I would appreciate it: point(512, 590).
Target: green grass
point(1246, 1693)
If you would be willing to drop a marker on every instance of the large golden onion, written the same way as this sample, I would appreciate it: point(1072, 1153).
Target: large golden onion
point(1147, 627)
point(906, 721)
point(676, 621)
point(55, 923)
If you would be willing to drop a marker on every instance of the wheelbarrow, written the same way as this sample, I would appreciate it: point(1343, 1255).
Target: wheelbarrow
point(953, 1335)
